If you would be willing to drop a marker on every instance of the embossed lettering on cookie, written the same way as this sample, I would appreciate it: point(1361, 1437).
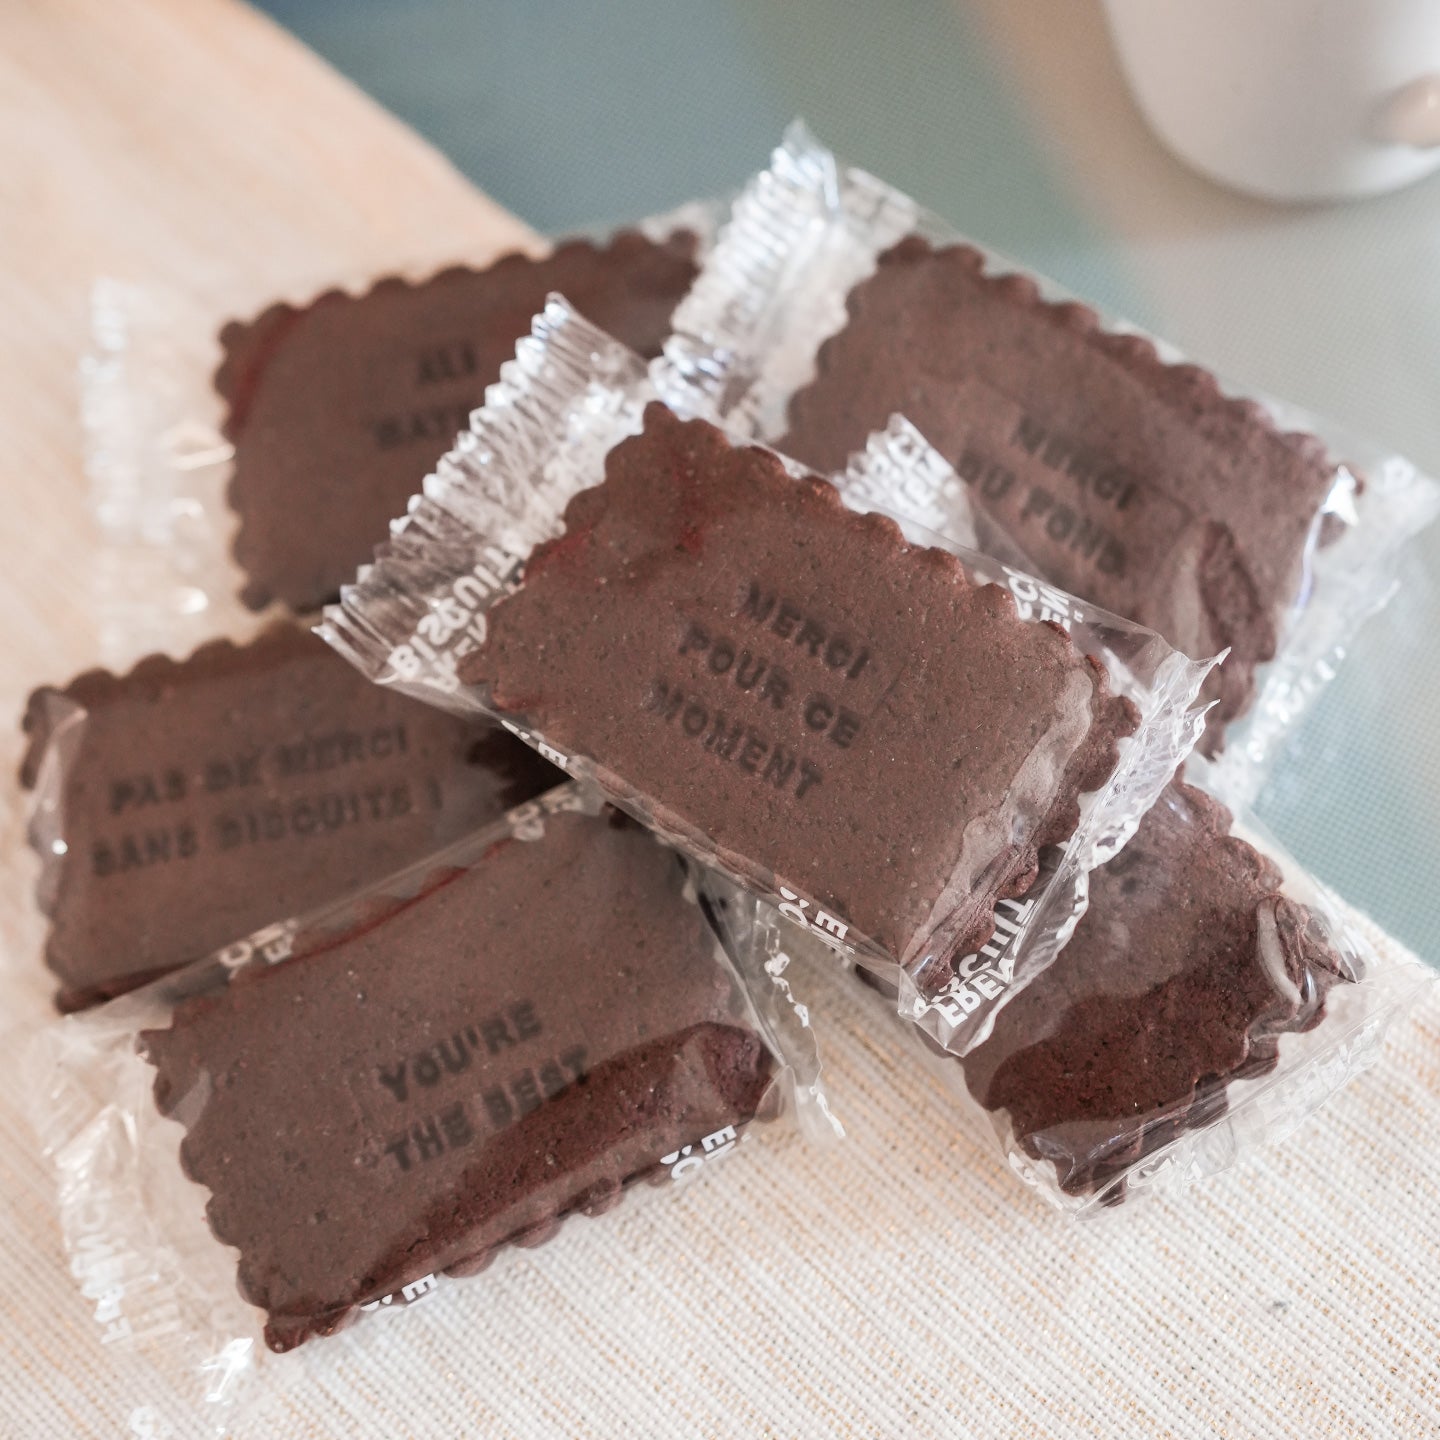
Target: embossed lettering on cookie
point(1135, 483)
point(835, 713)
point(338, 408)
point(192, 801)
point(402, 1097)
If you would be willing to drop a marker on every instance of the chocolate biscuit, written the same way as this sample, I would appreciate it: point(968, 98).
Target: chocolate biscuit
point(1129, 481)
point(795, 690)
point(197, 800)
point(404, 1098)
point(338, 410)
point(1185, 971)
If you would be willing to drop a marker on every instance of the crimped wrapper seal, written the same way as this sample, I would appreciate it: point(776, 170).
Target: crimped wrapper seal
point(420, 614)
point(198, 1132)
point(793, 299)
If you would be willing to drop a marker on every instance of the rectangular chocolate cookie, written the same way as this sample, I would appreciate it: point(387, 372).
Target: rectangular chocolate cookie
point(1129, 481)
point(1187, 968)
point(190, 802)
point(338, 409)
point(842, 719)
point(440, 1080)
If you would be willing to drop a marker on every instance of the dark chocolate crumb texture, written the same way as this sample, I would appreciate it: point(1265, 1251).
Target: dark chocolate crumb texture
point(1131, 482)
point(197, 800)
point(1185, 971)
point(840, 718)
point(528, 1037)
point(337, 410)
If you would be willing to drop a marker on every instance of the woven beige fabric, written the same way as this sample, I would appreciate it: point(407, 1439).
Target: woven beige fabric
point(902, 1283)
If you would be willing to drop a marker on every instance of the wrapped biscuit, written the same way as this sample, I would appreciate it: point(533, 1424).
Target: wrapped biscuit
point(1222, 520)
point(1212, 997)
point(880, 733)
point(186, 802)
point(342, 1112)
point(262, 454)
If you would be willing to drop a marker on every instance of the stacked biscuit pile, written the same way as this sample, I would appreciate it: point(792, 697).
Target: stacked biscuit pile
point(514, 1014)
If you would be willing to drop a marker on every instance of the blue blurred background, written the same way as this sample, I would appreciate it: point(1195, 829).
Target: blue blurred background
point(1012, 120)
point(577, 116)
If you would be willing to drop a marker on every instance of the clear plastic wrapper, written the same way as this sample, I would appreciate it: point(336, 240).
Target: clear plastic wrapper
point(1223, 519)
point(187, 801)
point(878, 736)
point(342, 1112)
point(205, 430)
point(1212, 998)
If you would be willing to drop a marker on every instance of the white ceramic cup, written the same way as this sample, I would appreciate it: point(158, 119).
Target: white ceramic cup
point(1289, 99)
